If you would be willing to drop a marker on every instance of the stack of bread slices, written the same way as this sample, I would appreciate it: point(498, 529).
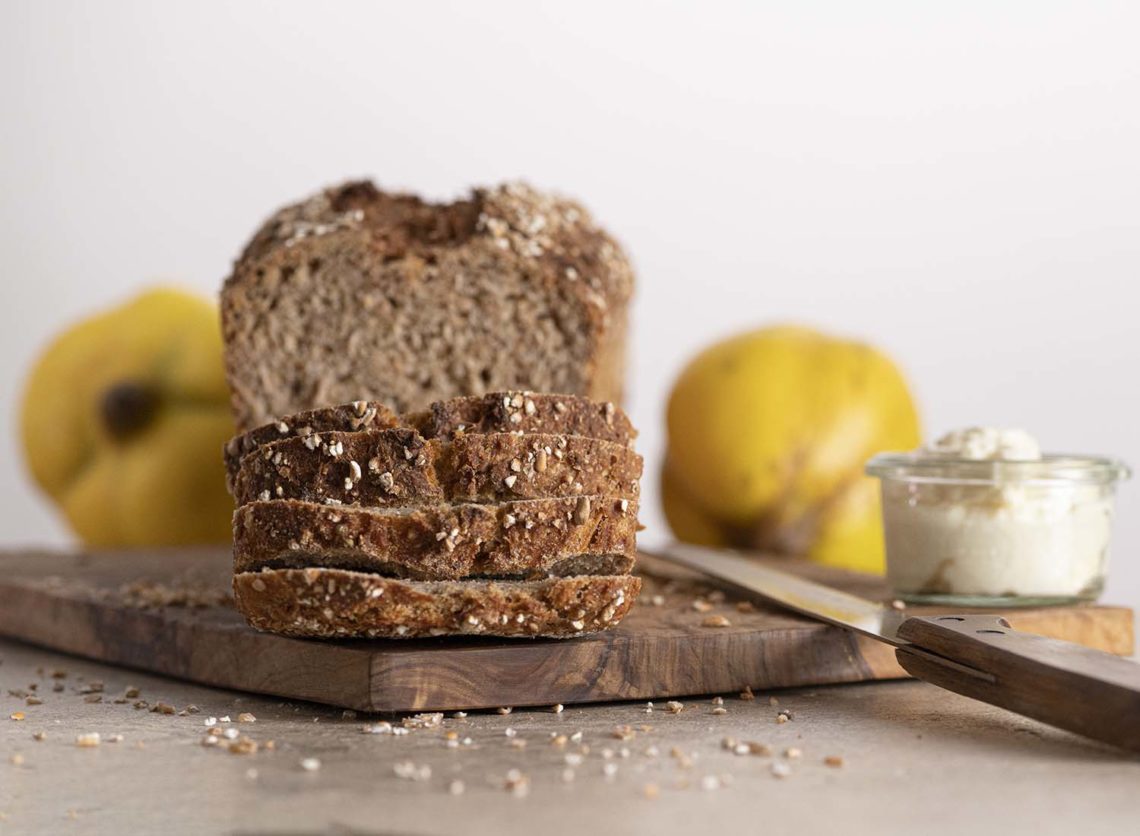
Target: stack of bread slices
point(507, 514)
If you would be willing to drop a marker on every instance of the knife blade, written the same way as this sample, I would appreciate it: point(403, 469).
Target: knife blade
point(1070, 686)
point(790, 591)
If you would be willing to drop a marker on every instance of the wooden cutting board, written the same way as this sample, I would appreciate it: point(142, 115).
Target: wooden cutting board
point(168, 612)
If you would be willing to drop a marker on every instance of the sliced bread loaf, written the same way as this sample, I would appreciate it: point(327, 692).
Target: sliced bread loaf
point(399, 467)
point(534, 538)
point(358, 293)
point(527, 412)
point(334, 603)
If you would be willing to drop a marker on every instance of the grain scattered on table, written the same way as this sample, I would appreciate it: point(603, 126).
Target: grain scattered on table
point(517, 783)
point(88, 740)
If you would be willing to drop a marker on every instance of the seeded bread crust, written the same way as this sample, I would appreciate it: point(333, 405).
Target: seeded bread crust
point(334, 603)
point(353, 417)
point(527, 412)
point(399, 467)
point(529, 539)
point(357, 293)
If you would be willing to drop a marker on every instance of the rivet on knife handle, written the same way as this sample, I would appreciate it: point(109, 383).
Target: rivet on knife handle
point(1076, 688)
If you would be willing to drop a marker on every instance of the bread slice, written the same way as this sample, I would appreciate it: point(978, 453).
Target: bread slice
point(528, 412)
point(399, 467)
point(525, 412)
point(534, 538)
point(357, 293)
point(334, 603)
point(354, 417)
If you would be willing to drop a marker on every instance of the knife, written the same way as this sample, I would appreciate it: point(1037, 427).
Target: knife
point(1075, 688)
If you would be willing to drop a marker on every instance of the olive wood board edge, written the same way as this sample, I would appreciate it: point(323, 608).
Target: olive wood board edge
point(82, 603)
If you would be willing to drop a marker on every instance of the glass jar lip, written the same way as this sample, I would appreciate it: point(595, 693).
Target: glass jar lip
point(1055, 469)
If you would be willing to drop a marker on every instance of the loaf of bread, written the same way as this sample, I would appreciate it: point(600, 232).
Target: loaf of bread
point(509, 514)
point(360, 294)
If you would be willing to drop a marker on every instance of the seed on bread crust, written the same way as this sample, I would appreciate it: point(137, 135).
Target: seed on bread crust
point(582, 510)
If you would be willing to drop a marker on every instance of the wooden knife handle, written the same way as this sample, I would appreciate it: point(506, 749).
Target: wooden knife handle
point(1076, 688)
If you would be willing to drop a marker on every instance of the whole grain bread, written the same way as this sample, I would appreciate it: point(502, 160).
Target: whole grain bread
point(399, 467)
point(334, 603)
point(353, 417)
point(527, 539)
point(357, 293)
point(528, 412)
point(525, 412)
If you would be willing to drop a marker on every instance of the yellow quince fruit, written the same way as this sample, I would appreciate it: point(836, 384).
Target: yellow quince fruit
point(768, 433)
point(123, 422)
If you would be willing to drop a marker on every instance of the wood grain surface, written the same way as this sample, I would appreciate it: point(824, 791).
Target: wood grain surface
point(1076, 688)
point(167, 612)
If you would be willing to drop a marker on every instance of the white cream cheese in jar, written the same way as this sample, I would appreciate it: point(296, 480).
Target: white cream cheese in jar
point(981, 516)
point(986, 444)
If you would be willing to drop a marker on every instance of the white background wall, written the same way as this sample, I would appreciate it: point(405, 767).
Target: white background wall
point(957, 182)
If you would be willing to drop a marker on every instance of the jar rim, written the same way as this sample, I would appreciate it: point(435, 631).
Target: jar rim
point(1054, 469)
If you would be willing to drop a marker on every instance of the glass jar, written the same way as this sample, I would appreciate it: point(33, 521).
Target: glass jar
point(963, 532)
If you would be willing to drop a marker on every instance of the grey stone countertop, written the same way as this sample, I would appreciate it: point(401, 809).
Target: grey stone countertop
point(874, 758)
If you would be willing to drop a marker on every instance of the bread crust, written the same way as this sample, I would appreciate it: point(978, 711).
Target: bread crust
point(334, 603)
point(528, 412)
point(399, 467)
point(547, 244)
point(527, 539)
point(353, 417)
point(525, 412)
